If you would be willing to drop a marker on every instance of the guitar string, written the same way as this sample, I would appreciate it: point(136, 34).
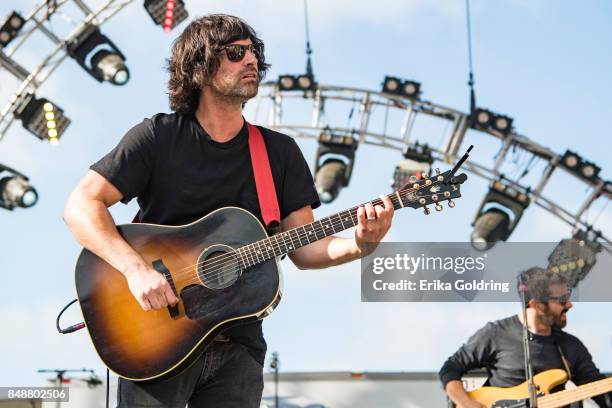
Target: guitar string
point(230, 260)
point(222, 258)
point(350, 210)
point(579, 392)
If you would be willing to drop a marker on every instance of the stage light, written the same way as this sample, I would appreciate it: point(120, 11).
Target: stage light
point(333, 164)
point(402, 87)
point(484, 119)
point(498, 215)
point(304, 82)
point(574, 257)
point(490, 227)
point(391, 85)
point(287, 82)
point(93, 51)
point(415, 166)
point(110, 67)
point(43, 119)
point(166, 13)
point(15, 190)
point(580, 167)
point(329, 179)
point(10, 28)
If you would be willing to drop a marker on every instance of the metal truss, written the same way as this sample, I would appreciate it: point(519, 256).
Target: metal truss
point(400, 138)
point(75, 15)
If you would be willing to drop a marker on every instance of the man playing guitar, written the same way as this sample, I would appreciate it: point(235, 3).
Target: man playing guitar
point(182, 166)
point(498, 346)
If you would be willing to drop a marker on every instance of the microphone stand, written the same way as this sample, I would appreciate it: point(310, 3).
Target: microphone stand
point(533, 402)
point(274, 365)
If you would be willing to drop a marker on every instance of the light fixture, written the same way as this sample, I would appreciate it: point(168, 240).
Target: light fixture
point(304, 82)
point(10, 28)
point(166, 13)
point(580, 167)
point(402, 87)
point(15, 190)
point(498, 215)
point(93, 51)
point(416, 165)
point(43, 119)
point(574, 257)
point(484, 119)
point(333, 164)
point(329, 179)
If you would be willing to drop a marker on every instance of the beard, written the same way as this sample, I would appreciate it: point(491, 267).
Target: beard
point(235, 89)
point(552, 320)
point(560, 321)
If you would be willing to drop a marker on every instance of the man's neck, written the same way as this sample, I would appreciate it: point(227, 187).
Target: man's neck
point(534, 325)
point(221, 118)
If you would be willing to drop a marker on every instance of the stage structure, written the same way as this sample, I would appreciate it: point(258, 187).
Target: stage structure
point(302, 108)
point(56, 30)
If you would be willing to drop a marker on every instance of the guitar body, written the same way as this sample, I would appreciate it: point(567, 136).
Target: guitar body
point(496, 397)
point(204, 271)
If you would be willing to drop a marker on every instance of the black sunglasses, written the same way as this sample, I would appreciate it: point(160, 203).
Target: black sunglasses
point(236, 52)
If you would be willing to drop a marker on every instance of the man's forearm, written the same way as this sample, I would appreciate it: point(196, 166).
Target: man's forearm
point(329, 251)
point(456, 392)
point(94, 228)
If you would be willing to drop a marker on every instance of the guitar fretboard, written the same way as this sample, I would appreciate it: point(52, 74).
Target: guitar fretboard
point(290, 240)
point(562, 398)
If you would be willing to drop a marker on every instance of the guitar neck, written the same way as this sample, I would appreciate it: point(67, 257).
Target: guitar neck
point(288, 241)
point(562, 398)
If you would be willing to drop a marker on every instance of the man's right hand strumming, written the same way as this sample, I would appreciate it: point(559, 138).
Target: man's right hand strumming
point(150, 288)
point(457, 393)
point(87, 216)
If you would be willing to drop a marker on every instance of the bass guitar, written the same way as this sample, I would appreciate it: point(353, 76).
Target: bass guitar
point(518, 396)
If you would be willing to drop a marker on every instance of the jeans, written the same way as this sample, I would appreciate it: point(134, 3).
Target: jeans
point(224, 376)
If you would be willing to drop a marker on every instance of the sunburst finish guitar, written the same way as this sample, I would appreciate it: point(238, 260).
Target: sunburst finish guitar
point(517, 397)
point(223, 268)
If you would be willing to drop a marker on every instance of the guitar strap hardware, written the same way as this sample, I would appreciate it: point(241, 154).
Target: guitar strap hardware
point(266, 191)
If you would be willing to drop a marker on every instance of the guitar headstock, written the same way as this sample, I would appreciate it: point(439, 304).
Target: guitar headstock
point(435, 190)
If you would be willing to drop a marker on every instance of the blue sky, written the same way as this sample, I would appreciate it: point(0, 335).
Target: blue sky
point(546, 64)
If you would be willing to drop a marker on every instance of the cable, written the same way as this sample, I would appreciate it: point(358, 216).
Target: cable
point(471, 75)
point(70, 329)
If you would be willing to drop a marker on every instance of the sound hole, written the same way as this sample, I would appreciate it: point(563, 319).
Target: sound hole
point(219, 267)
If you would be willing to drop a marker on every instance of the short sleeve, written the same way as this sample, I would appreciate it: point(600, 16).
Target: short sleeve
point(130, 164)
point(298, 185)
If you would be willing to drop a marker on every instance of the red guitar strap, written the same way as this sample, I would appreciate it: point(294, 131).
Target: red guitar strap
point(266, 192)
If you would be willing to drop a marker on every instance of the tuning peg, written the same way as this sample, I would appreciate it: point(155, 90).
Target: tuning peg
point(451, 203)
point(439, 207)
point(426, 210)
point(412, 179)
point(437, 171)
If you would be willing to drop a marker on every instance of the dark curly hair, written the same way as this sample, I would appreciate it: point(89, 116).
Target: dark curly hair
point(195, 59)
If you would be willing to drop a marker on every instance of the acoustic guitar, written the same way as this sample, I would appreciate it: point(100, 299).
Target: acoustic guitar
point(223, 268)
point(518, 396)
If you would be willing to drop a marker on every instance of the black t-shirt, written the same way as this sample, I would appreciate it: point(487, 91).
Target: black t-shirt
point(179, 174)
point(498, 347)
